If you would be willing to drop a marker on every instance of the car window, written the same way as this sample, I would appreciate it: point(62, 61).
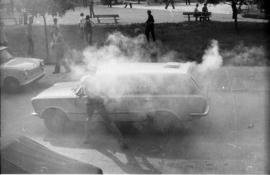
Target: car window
point(154, 85)
point(5, 56)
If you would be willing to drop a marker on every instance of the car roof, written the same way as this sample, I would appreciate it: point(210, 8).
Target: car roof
point(3, 48)
point(141, 68)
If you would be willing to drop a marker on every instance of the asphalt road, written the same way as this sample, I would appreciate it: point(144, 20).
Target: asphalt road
point(231, 139)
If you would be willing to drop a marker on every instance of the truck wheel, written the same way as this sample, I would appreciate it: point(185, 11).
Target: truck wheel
point(11, 85)
point(55, 120)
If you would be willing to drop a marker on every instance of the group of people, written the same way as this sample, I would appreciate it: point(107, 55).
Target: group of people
point(197, 11)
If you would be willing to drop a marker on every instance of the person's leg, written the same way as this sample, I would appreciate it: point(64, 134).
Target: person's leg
point(66, 66)
point(147, 33)
point(110, 124)
point(56, 67)
point(172, 1)
point(166, 4)
point(126, 4)
point(90, 111)
point(153, 34)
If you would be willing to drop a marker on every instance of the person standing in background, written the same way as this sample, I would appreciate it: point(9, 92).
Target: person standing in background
point(91, 8)
point(29, 34)
point(81, 25)
point(3, 36)
point(187, 2)
point(58, 46)
point(88, 30)
point(149, 28)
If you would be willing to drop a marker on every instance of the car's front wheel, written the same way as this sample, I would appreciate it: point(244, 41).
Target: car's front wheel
point(11, 85)
point(55, 120)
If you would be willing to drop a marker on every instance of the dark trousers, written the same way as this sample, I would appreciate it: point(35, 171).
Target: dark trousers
point(109, 3)
point(88, 37)
point(148, 30)
point(91, 9)
point(187, 2)
point(130, 5)
point(60, 61)
point(168, 2)
point(97, 104)
point(30, 46)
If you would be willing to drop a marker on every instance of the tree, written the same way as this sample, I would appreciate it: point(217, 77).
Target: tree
point(44, 7)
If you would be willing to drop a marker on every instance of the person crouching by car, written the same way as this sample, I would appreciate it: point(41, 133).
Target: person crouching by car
point(96, 102)
point(58, 47)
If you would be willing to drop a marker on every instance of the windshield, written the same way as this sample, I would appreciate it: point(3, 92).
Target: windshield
point(5, 56)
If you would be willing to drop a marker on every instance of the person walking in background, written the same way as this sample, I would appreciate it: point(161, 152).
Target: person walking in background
point(109, 3)
point(58, 46)
point(29, 34)
point(91, 8)
point(55, 27)
point(3, 36)
point(150, 26)
point(187, 2)
point(88, 30)
point(168, 2)
point(81, 25)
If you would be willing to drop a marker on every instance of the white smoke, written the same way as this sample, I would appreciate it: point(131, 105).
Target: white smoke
point(120, 49)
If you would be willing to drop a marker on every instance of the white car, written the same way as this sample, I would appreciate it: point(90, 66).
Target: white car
point(133, 92)
point(17, 71)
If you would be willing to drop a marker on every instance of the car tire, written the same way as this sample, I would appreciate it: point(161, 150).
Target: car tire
point(55, 120)
point(164, 121)
point(11, 85)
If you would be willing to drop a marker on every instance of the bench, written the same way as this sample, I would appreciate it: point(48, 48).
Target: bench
point(201, 15)
point(115, 16)
point(129, 3)
point(9, 18)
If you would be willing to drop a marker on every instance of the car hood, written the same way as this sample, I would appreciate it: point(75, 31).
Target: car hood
point(22, 63)
point(59, 90)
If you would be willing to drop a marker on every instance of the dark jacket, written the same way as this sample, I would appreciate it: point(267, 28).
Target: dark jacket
point(150, 21)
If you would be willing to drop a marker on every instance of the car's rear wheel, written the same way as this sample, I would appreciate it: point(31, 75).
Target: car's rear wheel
point(164, 121)
point(55, 120)
point(11, 85)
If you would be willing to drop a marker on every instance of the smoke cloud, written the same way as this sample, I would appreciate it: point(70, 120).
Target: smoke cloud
point(119, 48)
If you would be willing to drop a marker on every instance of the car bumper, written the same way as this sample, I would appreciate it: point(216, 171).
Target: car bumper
point(205, 113)
point(32, 79)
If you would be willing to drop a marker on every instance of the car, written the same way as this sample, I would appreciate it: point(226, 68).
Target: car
point(133, 92)
point(18, 71)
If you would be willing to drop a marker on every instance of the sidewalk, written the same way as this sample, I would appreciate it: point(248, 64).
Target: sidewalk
point(137, 14)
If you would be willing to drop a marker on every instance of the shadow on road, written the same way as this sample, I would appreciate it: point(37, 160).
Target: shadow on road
point(145, 145)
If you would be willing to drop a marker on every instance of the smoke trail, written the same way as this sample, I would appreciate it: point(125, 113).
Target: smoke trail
point(120, 49)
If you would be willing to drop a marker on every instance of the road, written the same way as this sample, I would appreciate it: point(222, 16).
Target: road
point(231, 139)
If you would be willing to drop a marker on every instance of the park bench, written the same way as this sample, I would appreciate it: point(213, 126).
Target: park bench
point(9, 19)
point(129, 3)
point(201, 15)
point(115, 16)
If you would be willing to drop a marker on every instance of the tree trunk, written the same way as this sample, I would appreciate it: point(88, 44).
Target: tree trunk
point(46, 38)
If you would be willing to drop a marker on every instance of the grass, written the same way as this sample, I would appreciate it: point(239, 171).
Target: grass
point(189, 39)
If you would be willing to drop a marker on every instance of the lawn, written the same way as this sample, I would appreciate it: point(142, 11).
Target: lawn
point(188, 39)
